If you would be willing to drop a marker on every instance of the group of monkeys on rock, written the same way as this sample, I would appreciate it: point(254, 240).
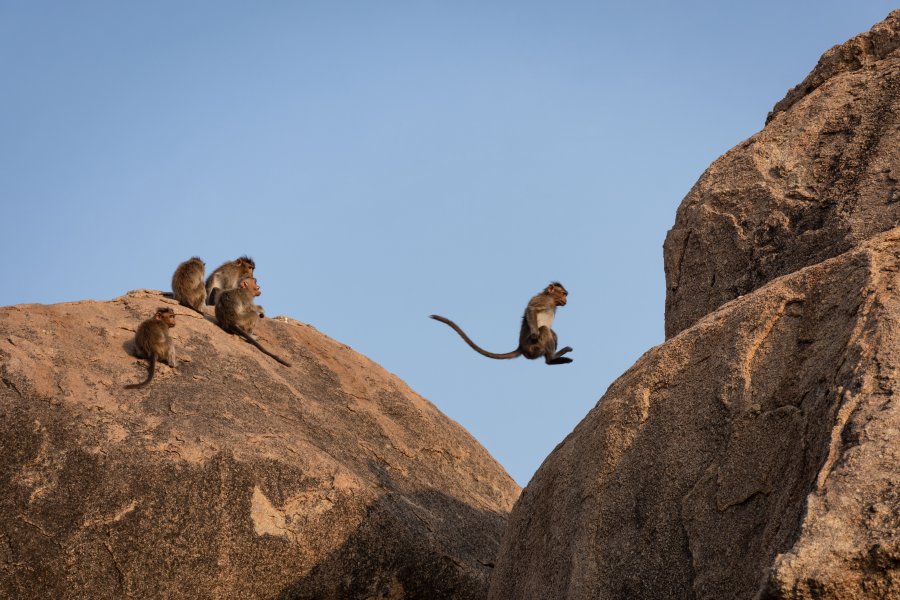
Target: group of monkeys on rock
point(232, 287)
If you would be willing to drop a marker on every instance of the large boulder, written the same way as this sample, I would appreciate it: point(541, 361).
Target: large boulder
point(821, 177)
point(754, 455)
point(231, 476)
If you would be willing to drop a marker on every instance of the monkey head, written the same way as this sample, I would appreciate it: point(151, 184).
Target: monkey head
point(250, 283)
point(166, 315)
point(246, 265)
point(556, 291)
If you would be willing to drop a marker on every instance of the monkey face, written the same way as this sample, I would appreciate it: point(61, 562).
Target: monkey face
point(167, 316)
point(558, 293)
point(251, 284)
point(245, 265)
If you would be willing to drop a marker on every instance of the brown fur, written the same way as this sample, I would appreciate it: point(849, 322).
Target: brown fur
point(536, 337)
point(152, 340)
point(227, 276)
point(187, 284)
point(237, 313)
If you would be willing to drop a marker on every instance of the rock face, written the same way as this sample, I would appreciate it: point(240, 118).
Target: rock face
point(821, 177)
point(231, 476)
point(756, 453)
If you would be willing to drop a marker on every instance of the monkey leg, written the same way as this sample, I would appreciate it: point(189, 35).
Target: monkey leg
point(549, 340)
point(248, 326)
point(535, 344)
point(197, 305)
point(173, 362)
point(558, 360)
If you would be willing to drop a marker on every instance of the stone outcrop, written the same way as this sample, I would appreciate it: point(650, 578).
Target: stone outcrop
point(821, 177)
point(754, 455)
point(230, 476)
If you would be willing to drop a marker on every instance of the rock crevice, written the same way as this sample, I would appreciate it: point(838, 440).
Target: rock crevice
point(755, 453)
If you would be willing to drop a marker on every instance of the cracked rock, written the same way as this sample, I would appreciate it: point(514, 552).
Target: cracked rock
point(820, 178)
point(755, 453)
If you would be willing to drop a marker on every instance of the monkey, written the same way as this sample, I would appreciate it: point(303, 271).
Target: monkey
point(153, 341)
point(237, 313)
point(227, 277)
point(536, 338)
point(187, 284)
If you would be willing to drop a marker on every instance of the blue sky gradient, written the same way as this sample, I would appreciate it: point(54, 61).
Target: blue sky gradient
point(383, 161)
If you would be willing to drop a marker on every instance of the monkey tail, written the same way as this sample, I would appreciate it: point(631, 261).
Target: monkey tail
point(247, 337)
point(195, 308)
point(514, 354)
point(152, 370)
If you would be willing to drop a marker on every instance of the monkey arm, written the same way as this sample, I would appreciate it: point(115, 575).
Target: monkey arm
point(531, 318)
point(533, 331)
point(535, 314)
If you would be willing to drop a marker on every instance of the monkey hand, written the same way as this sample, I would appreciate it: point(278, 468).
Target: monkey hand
point(535, 336)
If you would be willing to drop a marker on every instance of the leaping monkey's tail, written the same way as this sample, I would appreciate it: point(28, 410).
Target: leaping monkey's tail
point(514, 354)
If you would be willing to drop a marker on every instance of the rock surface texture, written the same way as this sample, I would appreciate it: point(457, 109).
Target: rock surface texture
point(821, 177)
point(756, 453)
point(231, 476)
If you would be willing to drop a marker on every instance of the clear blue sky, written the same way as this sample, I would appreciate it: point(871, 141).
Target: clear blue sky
point(383, 161)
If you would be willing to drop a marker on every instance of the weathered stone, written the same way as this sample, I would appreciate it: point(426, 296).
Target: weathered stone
point(860, 52)
point(821, 177)
point(231, 476)
point(755, 454)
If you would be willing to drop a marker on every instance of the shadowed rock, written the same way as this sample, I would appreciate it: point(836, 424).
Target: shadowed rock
point(231, 476)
